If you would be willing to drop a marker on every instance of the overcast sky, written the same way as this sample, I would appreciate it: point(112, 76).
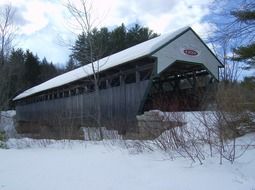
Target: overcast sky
point(45, 30)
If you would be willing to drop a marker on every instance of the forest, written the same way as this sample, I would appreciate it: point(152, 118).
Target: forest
point(232, 42)
point(22, 69)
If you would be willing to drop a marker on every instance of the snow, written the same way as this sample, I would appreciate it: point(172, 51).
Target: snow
point(124, 56)
point(48, 164)
point(31, 164)
point(7, 123)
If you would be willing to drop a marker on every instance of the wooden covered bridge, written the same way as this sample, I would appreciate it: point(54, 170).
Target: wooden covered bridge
point(170, 72)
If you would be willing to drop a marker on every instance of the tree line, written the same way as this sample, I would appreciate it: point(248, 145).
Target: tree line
point(105, 42)
point(22, 70)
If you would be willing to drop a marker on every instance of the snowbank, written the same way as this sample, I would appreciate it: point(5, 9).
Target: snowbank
point(7, 123)
point(31, 164)
point(83, 165)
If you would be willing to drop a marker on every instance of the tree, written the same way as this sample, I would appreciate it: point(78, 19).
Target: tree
point(248, 85)
point(247, 54)
point(107, 42)
point(245, 17)
point(94, 44)
point(100, 44)
point(11, 77)
point(138, 34)
point(47, 70)
point(21, 71)
point(236, 25)
point(32, 69)
point(82, 15)
point(71, 64)
point(15, 64)
point(7, 31)
point(118, 39)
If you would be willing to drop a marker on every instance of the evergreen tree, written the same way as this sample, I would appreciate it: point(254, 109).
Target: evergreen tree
point(101, 42)
point(118, 39)
point(11, 79)
point(32, 69)
point(47, 70)
point(238, 28)
point(138, 34)
point(80, 49)
point(100, 46)
point(105, 42)
point(246, 16)
point(22, 71)
point(71, 65)
point(16, 63)
point(247, 54)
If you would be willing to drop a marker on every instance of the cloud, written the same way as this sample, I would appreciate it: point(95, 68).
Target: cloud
point(45, 43)
point(163, 16)
point(38, 14)
point(152, 7)
point(41, 22)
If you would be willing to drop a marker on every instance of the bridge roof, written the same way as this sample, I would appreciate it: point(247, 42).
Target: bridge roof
point(147, 48)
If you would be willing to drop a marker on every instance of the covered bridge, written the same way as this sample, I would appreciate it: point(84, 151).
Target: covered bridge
point(170, 72)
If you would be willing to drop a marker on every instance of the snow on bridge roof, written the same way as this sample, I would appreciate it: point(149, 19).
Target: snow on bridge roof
point(143, 49)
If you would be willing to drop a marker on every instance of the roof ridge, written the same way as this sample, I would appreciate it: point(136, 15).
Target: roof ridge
point(124, 56)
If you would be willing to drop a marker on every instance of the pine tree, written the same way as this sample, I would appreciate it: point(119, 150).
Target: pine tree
point(70, 65)
point(138, 34)
point(246, 52)
point(16, 63)
point(118, 39)
point(32, 69)
point(100, 45)
point(237, 27)
point(47, 70)
point(11, 77)
point(105, 42)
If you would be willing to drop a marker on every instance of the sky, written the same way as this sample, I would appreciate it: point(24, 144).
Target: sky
point(46, 28)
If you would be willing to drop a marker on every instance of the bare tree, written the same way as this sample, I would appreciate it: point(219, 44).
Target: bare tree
point(235, 24)
point(7, 30)
point(83, 18)
point(238, 22)
point(7, 34)
point(227, 122)
point(232, 68)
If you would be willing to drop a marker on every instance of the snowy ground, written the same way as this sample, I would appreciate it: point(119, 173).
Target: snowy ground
point(63, 165)
point(80, 165)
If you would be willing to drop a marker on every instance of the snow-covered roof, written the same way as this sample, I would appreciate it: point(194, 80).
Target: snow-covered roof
point(143, 49)
point(124, 56)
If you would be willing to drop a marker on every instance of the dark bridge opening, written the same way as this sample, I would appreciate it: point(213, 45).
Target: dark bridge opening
point(181, 87)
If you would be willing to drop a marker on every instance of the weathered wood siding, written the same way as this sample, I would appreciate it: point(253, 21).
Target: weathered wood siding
point(117, 103)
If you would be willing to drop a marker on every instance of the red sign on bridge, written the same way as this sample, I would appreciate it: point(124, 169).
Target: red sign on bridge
point(190, 52)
